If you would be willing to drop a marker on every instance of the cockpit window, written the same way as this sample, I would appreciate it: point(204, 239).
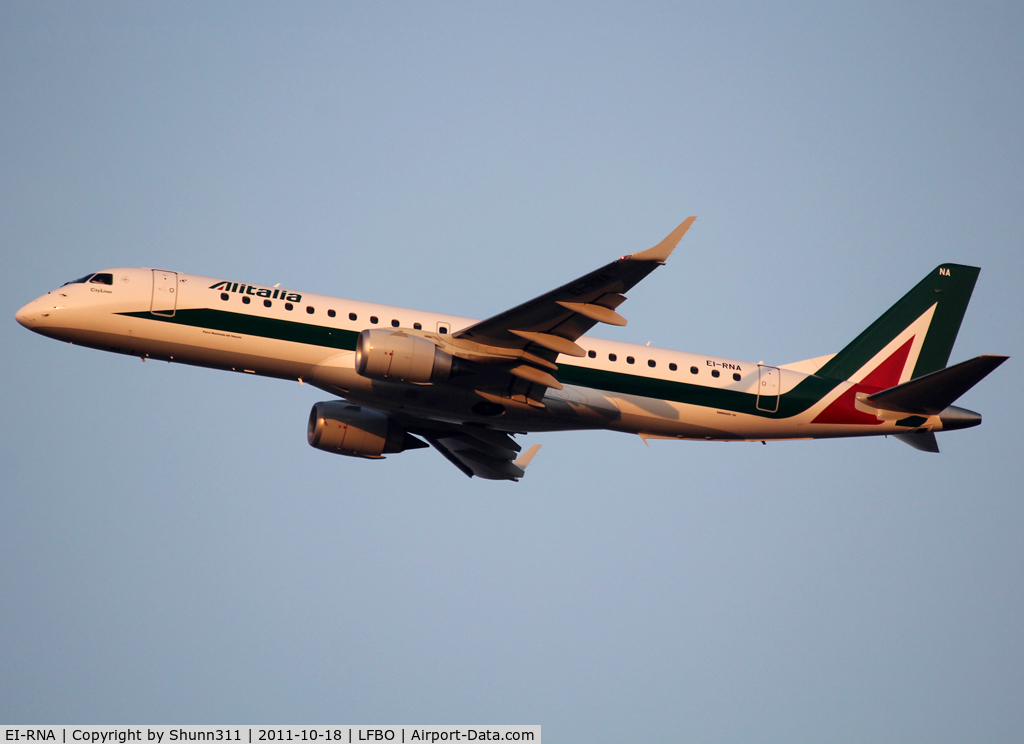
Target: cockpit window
point(83, 280)
point(102, 279)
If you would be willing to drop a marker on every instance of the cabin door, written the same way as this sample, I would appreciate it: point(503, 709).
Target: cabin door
point(767, 389)
point(165, 292)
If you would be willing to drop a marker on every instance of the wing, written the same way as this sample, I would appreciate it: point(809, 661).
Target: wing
point(475, 450)
point(511, 358)
point(536, 332)
point(466, 454)
point(555, 320)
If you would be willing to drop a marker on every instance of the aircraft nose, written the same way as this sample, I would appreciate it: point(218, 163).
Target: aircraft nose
point(28, 314)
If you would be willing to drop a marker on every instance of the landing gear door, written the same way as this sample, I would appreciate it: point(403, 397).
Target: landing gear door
point(767, 389)
point(165, 292)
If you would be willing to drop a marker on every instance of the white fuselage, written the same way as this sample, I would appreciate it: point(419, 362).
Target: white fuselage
point(300, 336)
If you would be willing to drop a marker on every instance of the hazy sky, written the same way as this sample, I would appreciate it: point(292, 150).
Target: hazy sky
point(172, 550)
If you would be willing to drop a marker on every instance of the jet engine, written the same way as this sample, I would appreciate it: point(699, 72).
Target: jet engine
point(394, 355)
point(356, 431)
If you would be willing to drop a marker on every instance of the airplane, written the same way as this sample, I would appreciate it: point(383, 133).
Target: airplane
point(406, 379)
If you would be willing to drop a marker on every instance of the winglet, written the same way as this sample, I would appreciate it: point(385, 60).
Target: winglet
point(526, 457)
point(664, 249)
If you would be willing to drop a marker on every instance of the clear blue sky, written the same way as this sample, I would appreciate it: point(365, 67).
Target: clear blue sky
point(171, 549)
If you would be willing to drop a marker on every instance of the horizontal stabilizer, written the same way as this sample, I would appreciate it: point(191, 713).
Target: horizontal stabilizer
point(933, 393)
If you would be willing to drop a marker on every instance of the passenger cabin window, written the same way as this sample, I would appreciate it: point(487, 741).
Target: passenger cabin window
point(442, 329)
point(331, 313)
point(630, 360)
point(672, 366)
point(592, 354)
point(289, 306)
point(418, 326)
point(102, 279)
point(309, 309)
point(394, 324)
point(353, 316)
point(224, 296)
point(267, 303)
point(715, 373)
point(736, 376)
point(651, 363)
point(693, 370)
point(245, 300)
point(612, 357)
point(373, 319)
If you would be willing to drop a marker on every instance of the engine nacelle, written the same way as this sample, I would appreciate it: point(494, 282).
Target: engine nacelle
point(346, 429)
point(394, 355)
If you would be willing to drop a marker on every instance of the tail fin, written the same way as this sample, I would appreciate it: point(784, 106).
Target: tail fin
point(912, 338)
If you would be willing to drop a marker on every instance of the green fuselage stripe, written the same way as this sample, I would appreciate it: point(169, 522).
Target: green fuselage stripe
point(254, 325)
point(796, 401)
